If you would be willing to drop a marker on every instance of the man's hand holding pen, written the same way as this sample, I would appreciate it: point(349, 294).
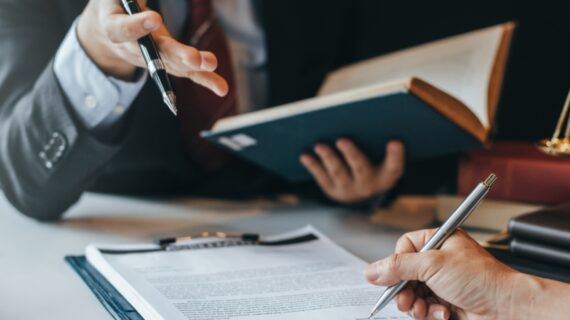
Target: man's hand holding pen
point(113, 39)
point(109, 36)
point(461, 275)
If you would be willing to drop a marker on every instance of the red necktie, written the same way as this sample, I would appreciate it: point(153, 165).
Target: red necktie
point(199, 108)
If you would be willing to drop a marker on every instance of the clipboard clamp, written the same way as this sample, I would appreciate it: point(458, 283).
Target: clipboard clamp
point(212, 240)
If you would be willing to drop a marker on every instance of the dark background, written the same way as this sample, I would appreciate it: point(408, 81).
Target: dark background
point(536, 81)
point(537, 77)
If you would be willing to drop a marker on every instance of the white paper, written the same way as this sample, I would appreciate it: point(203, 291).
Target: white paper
point(310, 280)
point(460, 66)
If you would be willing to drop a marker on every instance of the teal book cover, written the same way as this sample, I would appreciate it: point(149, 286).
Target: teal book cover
point(277, 144)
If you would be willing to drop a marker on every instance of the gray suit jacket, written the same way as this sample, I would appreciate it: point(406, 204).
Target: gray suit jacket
point(47, 158)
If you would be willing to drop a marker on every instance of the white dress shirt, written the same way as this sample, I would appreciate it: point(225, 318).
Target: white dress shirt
point(101, 100)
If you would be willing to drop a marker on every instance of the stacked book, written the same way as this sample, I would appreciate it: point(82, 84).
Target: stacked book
point(543, 235)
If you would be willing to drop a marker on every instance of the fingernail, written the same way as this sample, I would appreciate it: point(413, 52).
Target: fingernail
point(439, 315)
point(371, 272)
point(149, 24)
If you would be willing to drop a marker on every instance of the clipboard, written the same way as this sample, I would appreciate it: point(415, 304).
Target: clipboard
point(118, 306)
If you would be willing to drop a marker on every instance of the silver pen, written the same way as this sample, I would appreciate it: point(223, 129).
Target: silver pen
point(447, 229)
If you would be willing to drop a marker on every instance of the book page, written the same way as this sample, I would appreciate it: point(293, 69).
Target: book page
point(461, 66)
point(312, 279)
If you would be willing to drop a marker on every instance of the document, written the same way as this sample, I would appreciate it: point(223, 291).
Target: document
point(309, 279)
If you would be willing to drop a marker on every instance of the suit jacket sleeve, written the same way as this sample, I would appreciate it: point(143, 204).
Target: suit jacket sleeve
point(47, 158)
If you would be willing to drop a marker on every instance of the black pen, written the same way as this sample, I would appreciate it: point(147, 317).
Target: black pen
point(153, 61)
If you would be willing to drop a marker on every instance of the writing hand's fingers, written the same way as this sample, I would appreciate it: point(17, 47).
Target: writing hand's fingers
point(438, 312)
point(413, 241)
point(405, 299)
point(336, 169)
point(318, 172)
point(120, 27)
point(359, 164)
point(420, 309)
point(393, 166)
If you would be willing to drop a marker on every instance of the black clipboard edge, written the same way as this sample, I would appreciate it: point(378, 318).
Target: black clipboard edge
point(108, 296)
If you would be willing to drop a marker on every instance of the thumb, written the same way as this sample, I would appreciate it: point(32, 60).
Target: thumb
point(404, 266)
point(124, 28)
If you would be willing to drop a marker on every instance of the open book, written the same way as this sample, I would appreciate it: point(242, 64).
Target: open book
point(437, 98)
point(297, 275)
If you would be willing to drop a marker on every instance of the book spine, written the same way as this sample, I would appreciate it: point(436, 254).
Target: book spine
point(540, 252)
point(522, 180)
point(541, 234)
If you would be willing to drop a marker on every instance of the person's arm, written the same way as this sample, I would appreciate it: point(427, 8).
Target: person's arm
point(48, 154)
point(464, 279)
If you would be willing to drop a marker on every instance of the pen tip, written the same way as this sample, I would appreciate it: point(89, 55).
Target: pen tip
point(170, 101)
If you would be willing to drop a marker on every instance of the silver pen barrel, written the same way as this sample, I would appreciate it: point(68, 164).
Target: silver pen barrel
point(457, 218)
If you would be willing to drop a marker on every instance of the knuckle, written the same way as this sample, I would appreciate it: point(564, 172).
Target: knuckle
point(393, 263)
point(192, 55)
point(191, 75)
point(435, 260)
point(337, 173)
point(211, 56)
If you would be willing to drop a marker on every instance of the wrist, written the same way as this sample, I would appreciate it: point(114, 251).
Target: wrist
point(522, 296)
point(101, 55)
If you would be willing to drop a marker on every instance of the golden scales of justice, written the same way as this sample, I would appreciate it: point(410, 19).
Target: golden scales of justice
point(559, 146)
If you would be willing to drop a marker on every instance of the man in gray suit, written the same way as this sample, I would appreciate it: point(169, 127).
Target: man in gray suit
point(77, 111)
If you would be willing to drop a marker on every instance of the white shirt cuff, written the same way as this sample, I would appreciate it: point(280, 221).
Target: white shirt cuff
point(98, 99)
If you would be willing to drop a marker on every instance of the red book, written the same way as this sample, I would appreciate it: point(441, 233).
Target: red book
point(525, 173)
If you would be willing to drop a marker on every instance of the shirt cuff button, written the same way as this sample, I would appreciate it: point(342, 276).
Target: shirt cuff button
point(90, 102)
point(119, 110)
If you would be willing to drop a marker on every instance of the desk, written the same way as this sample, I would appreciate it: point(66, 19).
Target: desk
point(37, 283)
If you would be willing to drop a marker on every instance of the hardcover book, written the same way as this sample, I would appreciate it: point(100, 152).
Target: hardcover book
point(543, 235)
point(525, 173)
point(437, 98)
